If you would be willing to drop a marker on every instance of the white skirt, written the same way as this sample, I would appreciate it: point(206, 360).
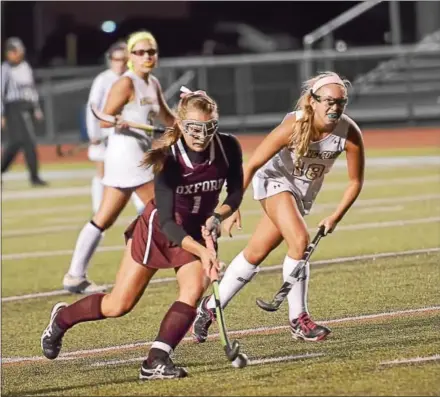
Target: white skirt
point(97, 152)
point(122, 166)
point(268, 187)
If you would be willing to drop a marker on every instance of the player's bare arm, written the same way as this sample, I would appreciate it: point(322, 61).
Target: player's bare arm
point(120, 94)
point(272, 144)
point(234, 180)
point(355, 166)
point(166, 116)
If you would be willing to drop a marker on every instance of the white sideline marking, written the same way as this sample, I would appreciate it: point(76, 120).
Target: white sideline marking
point(251, 361)
point(387, 208)
point(263, 269)
point(51, 211)
point(86, 173)
point(411, 360)
point(356, 226)
point(249, 331)
point(123, 220)
point(52, 175)
point(8, 215)
point(46, 193)
point(85, 190)
point(283, 358)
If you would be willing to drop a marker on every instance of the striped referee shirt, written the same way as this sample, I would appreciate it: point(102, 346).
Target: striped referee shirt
point(18, 84)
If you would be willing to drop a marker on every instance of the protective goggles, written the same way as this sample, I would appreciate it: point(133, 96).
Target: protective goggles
point(329, 102)
point(200, 130)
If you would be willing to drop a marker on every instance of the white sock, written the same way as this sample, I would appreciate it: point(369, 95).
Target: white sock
point(86, 244)
point(138, 203)
point(237, 275)
point(297, 297)
point(97, 192)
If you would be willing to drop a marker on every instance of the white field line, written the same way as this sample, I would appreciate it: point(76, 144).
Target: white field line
point(85, 190)
point(122, 221)
point(435, 357)
point(65, 223)
point(47, 211)
point(341, 228)
point(45, 193)
point(249, 331)
point(52, 175)
point(390, 161)
point(251, 361)
point(284, 358)
point(317, 207)
point(384, 208)
point(263, 269)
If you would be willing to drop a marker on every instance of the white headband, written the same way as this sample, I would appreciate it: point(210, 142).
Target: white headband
point(332, 79)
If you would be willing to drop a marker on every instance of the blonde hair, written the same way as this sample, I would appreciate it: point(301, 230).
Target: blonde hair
point(192, 101)
point(134, 38)
point(303, 132)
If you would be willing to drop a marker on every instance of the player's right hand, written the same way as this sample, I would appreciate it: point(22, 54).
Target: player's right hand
point(234, 219)
point(209, 261)
point(120, 122)
point(3, 122)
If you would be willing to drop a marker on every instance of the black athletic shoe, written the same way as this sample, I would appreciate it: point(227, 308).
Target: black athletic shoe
point(37, 182)
point(161, 368)
point(306, 329)
point(203, 321)
point(52, 335)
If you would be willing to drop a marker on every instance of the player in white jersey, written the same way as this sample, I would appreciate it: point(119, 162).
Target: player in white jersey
point(287, 170)
point(116, 57)
point(137, 96)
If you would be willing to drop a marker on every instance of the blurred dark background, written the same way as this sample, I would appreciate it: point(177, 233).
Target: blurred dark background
point(389, 50)
point(205, 27)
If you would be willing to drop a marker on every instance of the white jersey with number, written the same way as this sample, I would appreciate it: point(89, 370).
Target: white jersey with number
point(126, 148)
point(98, 96)
point(279, 174)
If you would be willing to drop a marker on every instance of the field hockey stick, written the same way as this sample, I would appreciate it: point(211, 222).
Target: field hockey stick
point(150, 129)
point(77, 148)
point(231, 349)
point(279, 297)
point(72, 151)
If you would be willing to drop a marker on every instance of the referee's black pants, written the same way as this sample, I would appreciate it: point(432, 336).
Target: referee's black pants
point(20, 135)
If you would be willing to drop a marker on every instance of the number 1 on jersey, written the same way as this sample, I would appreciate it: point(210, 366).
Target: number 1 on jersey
point(196, 206)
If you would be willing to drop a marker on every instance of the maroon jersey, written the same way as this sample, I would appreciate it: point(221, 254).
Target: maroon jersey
point(186, 194)
point(198, 186)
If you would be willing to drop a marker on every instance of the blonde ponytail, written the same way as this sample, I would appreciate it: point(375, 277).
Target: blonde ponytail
point(156, 157)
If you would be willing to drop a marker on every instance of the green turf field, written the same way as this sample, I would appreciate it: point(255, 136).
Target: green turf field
point(375, 282)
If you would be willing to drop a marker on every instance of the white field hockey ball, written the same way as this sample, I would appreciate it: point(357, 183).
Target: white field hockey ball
point(241, 361)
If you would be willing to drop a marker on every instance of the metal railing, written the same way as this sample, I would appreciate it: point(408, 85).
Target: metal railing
point(255, 91)
point(325, 31)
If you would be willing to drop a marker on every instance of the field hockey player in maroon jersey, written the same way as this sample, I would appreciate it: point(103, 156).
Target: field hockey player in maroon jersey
point(190, 166)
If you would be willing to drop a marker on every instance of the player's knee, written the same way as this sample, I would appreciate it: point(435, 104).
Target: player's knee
point(117, 307)
point(255, 254)
point(103, 222)
point(192, 296)
point(298, 245)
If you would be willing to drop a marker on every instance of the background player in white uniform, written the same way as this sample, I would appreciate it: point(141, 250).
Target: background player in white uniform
point(116, 57)
point(287, 170)
point(136, 96)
